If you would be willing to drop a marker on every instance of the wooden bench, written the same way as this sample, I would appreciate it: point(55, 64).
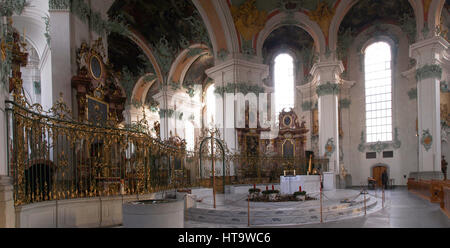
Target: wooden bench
point(445, 203)
point(436, 191)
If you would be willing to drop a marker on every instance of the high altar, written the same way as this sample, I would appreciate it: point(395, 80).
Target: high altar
point(265, 160)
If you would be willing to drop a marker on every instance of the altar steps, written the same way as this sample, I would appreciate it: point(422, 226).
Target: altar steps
point(277, 214)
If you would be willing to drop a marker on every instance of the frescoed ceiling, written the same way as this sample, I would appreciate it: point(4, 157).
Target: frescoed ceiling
point(271, 5)
point(293, 39)
point(196, 73)
point(367, 12)
point(168, 26)
point(124, 52)
point(290, 37)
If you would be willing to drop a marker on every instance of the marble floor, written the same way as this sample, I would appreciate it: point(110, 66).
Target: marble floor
point(403, 210)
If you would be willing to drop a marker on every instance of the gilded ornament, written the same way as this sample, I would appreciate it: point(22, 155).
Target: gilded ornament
point(248, 19)
point(323, 16)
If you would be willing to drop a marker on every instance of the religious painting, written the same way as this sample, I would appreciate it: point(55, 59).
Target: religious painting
point(95, 67)
point(315, 118)
point(97, 111)
point(288, 149)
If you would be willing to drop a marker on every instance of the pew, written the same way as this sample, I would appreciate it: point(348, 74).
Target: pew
point(436, 191)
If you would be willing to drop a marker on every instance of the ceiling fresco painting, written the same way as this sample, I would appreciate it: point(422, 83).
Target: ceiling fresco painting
point(367, 14)
point(168, 26)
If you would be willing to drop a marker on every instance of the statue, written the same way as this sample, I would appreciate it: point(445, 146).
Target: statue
point(444, 167)
point(343, 172)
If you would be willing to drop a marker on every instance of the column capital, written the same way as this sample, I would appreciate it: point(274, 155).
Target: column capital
point(327, 71)
point(429, 51)
point(239, 67)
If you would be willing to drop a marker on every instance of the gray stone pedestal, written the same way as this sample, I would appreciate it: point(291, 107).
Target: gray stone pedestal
point(7, 214)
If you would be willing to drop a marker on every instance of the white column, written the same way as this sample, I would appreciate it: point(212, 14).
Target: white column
point(60, 32)
point(429, 54)
point(234, 71)
point(327, 74)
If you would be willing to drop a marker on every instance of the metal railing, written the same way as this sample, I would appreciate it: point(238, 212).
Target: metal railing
point(51, 158)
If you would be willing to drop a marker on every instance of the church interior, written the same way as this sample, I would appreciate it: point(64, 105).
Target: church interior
point(224, 113)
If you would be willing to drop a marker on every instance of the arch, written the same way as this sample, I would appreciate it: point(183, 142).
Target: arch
point(341, 11)
point(142, 43)
point(345, 6)
point(304, 22)
point(141, 88)
point(183, 61)
point(434, 13)
point(215, 17)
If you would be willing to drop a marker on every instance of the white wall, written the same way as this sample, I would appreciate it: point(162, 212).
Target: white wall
point(404, 117)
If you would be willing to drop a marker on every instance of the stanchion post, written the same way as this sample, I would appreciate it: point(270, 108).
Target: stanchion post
point(321, 192)
point(365, 209)
point(248, 209)
point(213, 168)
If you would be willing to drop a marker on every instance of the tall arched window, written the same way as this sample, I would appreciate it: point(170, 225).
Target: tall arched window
point(210, 105)
point(378, 91)
point(284, 82)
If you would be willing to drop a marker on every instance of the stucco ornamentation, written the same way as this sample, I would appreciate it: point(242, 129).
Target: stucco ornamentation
point(59, 4)
point(427, 139)
point(329, 147)
point(345, 103)
point(412, 93)
point(307, 106)
point(328, 89)
point(428, 71)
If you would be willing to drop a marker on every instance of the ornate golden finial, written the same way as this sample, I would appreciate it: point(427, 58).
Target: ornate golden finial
point(248, 19)
point(323, 16)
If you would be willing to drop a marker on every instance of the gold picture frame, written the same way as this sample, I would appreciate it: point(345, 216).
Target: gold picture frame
point(98, 101)
point(100, 65)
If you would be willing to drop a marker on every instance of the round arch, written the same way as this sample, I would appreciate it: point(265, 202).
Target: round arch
point(304, 22)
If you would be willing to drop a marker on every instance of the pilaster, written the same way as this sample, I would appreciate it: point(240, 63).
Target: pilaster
point(60, 31)
point(429, 54)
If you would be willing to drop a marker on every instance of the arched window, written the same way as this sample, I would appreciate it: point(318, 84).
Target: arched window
point(284, 82)
point(378, 92)
point(189, 136)
point(210, 106)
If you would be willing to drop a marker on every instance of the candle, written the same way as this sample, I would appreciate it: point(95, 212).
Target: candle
point(254, 186)
point(272, 187)
point(300, 188)
point(267, 187)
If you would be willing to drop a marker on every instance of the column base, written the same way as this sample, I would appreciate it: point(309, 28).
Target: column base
point(329, 181)
point(7, 211)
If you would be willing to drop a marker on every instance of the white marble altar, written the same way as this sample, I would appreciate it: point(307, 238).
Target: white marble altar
point(290, 184)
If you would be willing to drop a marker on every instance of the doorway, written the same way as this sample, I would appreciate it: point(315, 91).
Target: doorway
point(377, 171)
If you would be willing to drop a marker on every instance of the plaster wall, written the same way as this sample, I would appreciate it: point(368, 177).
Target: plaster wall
point(404, 118)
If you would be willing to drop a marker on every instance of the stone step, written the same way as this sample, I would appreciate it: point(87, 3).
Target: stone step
point(280, 216)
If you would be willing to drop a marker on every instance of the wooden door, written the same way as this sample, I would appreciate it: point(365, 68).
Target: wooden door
point(377, 171)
